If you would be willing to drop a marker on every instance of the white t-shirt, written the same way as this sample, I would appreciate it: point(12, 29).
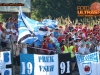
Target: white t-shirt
point(53, 39)
point(83, 35)
point(8, 30)
point(98, 48)
point(14, 36)
point(87, 50)
point(48, 33)
point(7, 35)
point(81, 50)
point(75, 37)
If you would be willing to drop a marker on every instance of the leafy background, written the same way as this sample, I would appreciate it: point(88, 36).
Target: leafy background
point(62, 10)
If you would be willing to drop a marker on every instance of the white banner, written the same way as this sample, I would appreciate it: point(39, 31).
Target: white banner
point(5, 60)
point(46, 64)
point(88, 64)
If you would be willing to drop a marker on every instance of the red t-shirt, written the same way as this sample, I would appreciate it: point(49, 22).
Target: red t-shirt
point(95, 33)
point(97, 37)
point(76, 28)
point(1, 28)
point(80, 36)
point(85, 29)
point(47, 39)
point(45, 47)
point(59, 39)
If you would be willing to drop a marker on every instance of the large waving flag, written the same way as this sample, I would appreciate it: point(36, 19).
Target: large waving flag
point(24, 33)
point(28, 27)
point(32, 25)
point(50, 23)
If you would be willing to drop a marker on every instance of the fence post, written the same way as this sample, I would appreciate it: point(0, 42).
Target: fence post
point(11, 53)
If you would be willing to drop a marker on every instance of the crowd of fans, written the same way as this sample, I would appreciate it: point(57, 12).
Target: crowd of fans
point(64, 39)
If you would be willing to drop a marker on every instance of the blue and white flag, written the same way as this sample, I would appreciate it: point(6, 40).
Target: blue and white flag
point(5, 63)
point(32, 25)
point(88, 64)
point(27, 27)
point(24, 33)
point(50, 23)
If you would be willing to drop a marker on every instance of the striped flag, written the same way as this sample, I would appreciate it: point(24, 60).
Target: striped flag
point(50, 23)
point(24, 31)
point(32, 25)
point(27, 27)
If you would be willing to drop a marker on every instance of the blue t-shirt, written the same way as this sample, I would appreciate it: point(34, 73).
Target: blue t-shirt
point(16, 25)
point(50, 46)
point(56, 34)
point(8, 24)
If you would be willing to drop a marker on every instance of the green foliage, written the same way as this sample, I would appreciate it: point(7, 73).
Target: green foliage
point(1, 17)
point(57, 8)
point(61, 10)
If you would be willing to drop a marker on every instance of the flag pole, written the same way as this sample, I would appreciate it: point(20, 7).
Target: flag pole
point(11, 53)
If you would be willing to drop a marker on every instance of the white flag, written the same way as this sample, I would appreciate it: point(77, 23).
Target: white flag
point(88, 64)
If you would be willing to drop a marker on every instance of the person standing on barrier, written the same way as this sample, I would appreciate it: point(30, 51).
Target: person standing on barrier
point(72, 50)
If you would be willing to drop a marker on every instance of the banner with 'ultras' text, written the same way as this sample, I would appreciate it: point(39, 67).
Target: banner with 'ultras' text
point(5, 63)
point(88, 64)
point(34, 64)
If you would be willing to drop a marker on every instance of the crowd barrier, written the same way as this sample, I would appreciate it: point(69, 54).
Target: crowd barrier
point(87, 64)
point(35, 50)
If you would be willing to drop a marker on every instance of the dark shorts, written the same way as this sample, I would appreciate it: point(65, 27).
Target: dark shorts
point(73, 59)
point(16, 60)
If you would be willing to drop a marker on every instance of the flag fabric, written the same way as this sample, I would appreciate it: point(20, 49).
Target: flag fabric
point(30, 40)
point(24, 33)
point(50, 23)
point(88, 64)
point(30, 24)
point(28, 27)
